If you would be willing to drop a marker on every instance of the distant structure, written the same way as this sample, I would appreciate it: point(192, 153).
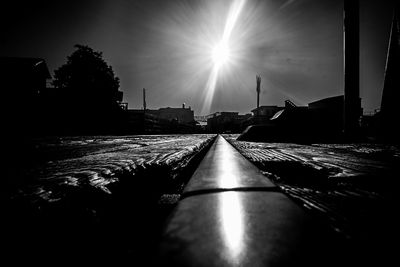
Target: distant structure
point(177, 115)
point(226, 122)
point(258, 79)
point(352, 101)
point(320, 121)
point(181, 115)
point(266, 111)
point(202, 121)
point(390, 112)
point(161, 121)
point(261, 115)
point(326, 117)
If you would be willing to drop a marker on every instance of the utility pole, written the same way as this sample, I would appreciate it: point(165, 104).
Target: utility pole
point(352, 101)
point(144, 110)
point(389, 113)
point(144, 99)
point(258, 79)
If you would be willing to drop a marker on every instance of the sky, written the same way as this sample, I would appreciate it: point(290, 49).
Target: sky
point(167, 47)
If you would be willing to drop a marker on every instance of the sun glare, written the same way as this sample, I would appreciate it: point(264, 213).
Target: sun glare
point(220, 54)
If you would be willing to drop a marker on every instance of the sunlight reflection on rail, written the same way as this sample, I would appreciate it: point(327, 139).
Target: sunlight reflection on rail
point(232, 226)
point(230, 206)
point(227, 167)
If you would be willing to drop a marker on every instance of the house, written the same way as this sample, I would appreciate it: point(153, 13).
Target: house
point(320, 121)
point(22, 81)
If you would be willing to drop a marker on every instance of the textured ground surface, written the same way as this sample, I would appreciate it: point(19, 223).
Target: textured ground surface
point(58, 166)
point(86, 194)
point(352, 187)
point(81, 196)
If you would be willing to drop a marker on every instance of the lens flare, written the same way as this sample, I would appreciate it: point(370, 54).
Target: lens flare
point(221, 54)
point(172, 53)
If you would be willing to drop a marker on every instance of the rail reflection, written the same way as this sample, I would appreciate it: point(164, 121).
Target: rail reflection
point(232, 224)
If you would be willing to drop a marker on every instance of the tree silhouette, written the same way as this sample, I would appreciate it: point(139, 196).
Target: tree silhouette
point(88, 80)
point(89, 97)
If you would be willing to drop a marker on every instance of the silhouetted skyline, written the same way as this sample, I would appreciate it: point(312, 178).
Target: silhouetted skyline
point(164, 46)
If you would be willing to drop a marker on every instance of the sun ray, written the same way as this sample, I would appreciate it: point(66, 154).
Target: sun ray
point(209, 90)
point(220, 53)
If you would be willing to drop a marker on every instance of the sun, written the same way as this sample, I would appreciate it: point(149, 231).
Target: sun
point(220, 54)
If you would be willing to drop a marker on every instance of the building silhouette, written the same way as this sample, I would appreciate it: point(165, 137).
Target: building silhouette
point(182, 115)
point(159, 121)
point(326, 116)
point(320, 121)
point(34, 107)
point(23, 82)
point(226, 122)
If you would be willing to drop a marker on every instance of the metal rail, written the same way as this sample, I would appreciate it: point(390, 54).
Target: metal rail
point(232, 215)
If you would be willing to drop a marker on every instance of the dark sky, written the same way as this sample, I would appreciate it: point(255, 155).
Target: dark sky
point(165, 46)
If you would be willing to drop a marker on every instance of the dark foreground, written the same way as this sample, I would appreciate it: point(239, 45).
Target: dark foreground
point(351, 188)
point(94, 199)
point(107, 199)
